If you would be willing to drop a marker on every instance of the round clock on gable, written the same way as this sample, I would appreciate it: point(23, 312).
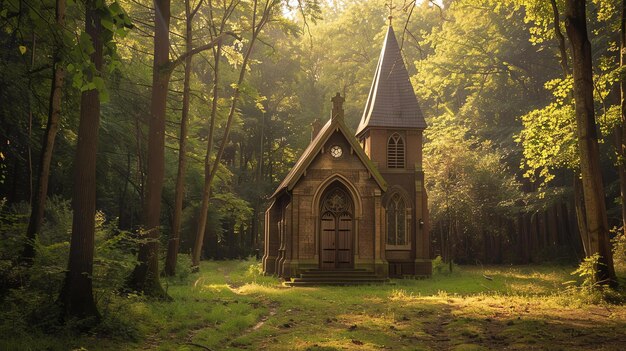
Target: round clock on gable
point(336, 151)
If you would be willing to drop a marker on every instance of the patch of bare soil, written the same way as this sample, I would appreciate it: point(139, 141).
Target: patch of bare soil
point(504, 325)
point(273, 307)
point(436, 328)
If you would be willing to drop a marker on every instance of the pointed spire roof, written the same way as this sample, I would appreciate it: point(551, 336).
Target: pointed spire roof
point(391, 101)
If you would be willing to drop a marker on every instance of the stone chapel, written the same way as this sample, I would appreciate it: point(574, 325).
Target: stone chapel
point(357, 202)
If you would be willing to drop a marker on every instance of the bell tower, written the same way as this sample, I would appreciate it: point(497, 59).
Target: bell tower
point(390, 132)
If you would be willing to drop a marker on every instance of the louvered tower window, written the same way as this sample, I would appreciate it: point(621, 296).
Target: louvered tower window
point(395, 151)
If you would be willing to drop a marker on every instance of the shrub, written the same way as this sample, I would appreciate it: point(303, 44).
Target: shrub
point(183, 270)
point(619, 251)
point(588, 289)
point(438, 265)
point(255, 270)
point(441, 267)
point(28, 294)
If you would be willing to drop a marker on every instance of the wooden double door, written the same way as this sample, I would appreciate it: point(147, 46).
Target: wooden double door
point(336, 230)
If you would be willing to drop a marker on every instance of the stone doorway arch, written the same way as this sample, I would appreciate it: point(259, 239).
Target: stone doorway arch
point(336, 228)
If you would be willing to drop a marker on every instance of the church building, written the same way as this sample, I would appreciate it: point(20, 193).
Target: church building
point(357, 202)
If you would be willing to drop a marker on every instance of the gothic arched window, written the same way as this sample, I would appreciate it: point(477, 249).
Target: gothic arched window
point(397, 221)
point(395, 151)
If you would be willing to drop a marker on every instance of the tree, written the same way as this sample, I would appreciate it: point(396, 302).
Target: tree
point(593, 190)
point(174, 240)
point(261, 15)
point(38, 204)
point(549, 137)
point(621, 148)
point(469, 191)
point(217, 53)
point(145, 276)
point(76, 296)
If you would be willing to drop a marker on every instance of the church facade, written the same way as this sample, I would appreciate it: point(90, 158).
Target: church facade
point(357, 201)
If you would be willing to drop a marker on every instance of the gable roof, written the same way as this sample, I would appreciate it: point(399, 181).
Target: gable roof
point(391, 101)
point(314, 148)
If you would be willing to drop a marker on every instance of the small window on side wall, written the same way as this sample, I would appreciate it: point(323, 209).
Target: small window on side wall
point(395, 151)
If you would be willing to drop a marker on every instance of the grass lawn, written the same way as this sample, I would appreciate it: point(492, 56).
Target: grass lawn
point(229, 307)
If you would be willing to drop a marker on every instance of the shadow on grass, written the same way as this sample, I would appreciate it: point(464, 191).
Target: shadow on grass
point(229, 306)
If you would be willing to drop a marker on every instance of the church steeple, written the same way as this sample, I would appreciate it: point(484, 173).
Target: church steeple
point(391, 102)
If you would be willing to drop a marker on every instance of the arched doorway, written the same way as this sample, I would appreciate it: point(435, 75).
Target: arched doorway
point(336, 228)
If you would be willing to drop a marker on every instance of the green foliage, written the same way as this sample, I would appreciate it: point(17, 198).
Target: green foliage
point(115, 257)
point(468, 184)
point(13, 224)
point(3, 167)
point(441, 267)
point(115, 23)
point(619, 251)
point(548, 137)
point(254, 271)
point(183, 270)
point(587, 272)
point(118, 322)
point(587, 288)
point(29, 294)
point(234, 207)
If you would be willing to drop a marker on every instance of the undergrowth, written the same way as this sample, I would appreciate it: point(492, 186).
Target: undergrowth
point(228, 298)
point(28, 294)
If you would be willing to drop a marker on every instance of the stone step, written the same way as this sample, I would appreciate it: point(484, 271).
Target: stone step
point(340, 278)
point(344, 276)
point(337, 282)
point(337, 271)
point(336, 274)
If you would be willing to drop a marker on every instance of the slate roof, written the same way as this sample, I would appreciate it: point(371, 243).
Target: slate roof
point(391, 101)
point(314, 148)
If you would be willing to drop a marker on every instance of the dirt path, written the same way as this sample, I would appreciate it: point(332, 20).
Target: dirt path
point(436, 329)
point(271, 306)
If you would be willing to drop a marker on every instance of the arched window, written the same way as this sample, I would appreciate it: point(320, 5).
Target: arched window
point(397, 231)
point(395, 151)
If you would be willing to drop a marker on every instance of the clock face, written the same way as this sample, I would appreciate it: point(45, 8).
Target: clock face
point(335, 151)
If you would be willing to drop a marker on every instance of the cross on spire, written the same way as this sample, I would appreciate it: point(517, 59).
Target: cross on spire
point(391, 8)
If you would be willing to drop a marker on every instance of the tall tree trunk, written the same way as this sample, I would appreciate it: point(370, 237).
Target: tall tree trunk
point(622, 127)
point(527, 224)
point(534, 247)
point(206, 190)
point(145, 277)
point(593, 190)
point(579, 205)
point(556, 22)
point(257, 25)
point(174, 241)
point(30, 126)
point(76, 296)
point(581, 219)
point(258, 212)
point(54, 114)
point(125, 209)
point(543, 232)
point(553, 226)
